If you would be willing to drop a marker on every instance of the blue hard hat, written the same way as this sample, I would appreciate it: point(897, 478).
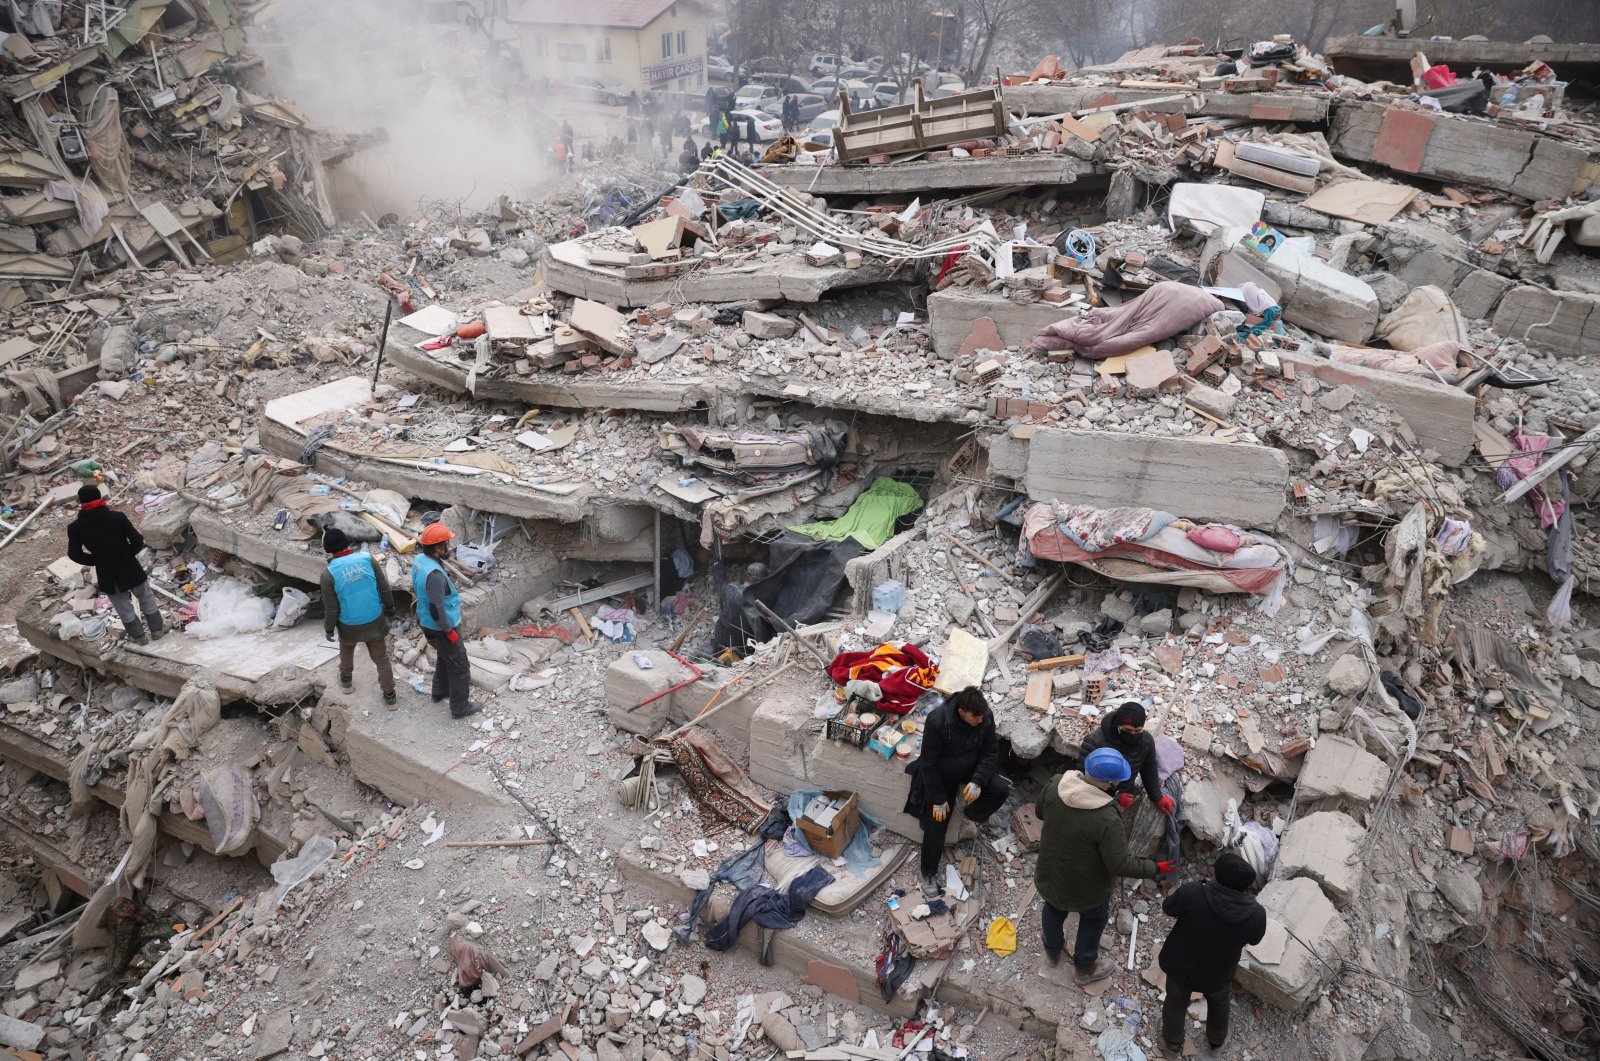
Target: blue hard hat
point(1107, 764)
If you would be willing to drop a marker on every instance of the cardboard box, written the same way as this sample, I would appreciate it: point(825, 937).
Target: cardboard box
point(831, 842)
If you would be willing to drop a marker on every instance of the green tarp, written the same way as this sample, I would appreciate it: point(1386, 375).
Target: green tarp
point(870, 520)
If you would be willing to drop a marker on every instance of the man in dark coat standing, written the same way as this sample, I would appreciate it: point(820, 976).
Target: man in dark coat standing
point(1216, 920)
point(1123, 730)
point(960, 760)
point(107, 540)
point(1082, 851)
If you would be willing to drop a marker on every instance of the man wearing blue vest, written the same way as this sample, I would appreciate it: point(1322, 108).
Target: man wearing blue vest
point(439, 612)
point(356, 600)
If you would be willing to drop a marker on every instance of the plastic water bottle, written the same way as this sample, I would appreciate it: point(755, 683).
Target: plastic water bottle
point(889, 596)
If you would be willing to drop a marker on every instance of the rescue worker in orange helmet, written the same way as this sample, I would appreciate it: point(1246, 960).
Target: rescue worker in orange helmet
point(439, 612)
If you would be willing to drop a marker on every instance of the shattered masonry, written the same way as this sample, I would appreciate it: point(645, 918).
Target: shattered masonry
point(1256, 388)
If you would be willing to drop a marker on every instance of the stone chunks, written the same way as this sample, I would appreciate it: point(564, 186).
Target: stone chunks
point(768, 325)
point(1440, 416)
point(1461, 889)
point(1563, 323)
point(1349, 674)
point(1198, 478)
point(1313, 294)
point(1340, 768)
point(1206, 801)
point(953, 316)
point(1326, 847)
point(1281, 969)
point(628, 685)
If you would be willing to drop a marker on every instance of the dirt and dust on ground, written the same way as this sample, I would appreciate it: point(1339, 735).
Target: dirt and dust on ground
point(1274, 513)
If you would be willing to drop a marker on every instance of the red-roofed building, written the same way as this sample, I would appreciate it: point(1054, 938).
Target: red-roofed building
point(644, 45)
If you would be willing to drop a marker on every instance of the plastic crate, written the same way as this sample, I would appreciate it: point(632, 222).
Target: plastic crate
point(848, 732)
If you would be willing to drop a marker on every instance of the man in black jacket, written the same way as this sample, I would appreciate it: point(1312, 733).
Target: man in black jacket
point(1216, 920)
point(1123, 730)
point(107, 541)
point(960, 759)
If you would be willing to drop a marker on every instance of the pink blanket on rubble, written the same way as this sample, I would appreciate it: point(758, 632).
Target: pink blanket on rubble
point(1106, 331)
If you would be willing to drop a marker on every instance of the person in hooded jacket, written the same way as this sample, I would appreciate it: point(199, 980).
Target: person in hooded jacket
point(107, 540)
point(1083, 849)
point(1123, 730)
point(960, 760)
point(1215, 921)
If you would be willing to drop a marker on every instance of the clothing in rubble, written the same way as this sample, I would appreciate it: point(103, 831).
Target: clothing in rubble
point(743, 870)
point(955, 754)
point(768, 907)
point(107, 540)
point(904, 672)
point(1138, 748)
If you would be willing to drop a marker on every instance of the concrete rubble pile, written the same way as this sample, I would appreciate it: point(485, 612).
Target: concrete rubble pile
point(1325, 381)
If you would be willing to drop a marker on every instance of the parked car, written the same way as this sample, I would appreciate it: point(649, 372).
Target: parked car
point(825, 122)
point(949, 88)
point(767, 127)
point(823, 64)
point(873, 63)
point(817, 136)
point(857, 73)
point(859, 91)
point(782, 82)
point(811, 105)
point(886, 93)
point(611, 93)
point(718, 69)
point(766, 65)
point(754, 94)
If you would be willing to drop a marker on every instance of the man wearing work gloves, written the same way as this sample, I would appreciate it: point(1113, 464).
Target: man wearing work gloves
point(1082, 850)
point(960, 756)
point(357, 601)
point(439, 612)
point(1216, 921)
point(1123, 730)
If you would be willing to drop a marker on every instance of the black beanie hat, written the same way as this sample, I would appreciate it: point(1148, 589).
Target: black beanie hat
point(87, 493)
point(1130, 713)
point(335, 540)
point(1234, 872)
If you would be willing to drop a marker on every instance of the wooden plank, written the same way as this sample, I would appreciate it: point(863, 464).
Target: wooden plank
point(1041, 683)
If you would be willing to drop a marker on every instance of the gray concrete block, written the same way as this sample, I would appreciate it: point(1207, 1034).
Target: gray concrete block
point(1562, 323)
point(1440, 416)
point(1206, 801)
point(1008, 454)
point(953, 312)
point(923, 177)
point(415, 752)
point(1325, 847)
point(1314, 295)
point(1341, 769)
point(1479, 292)
point(1197, 478)
point(1281, 969)
point(628, 685)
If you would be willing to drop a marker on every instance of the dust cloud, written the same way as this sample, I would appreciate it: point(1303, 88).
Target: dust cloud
point(463, 123)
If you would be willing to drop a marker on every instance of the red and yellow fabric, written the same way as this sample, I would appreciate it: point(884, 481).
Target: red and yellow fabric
point(903, 672)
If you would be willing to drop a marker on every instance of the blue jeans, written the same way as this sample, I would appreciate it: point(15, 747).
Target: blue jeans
point(1091, 924)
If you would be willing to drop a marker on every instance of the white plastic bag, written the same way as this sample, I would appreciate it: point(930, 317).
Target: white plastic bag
point(291, 609)
point(289, 872)
point(1559, 614)
point(228, 608)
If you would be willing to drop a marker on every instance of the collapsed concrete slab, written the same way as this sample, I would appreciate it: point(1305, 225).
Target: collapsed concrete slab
point(1452, 147)
point(1564, 323)
point(921, 177)
point(639, 699)
point(1290, 971)
point(636, 389)
point(1205, 799)
point(1441, 416)
point(411, 754)
point(952, 313)
point(1196, 477)
point(1326, 847)
point(1338, 768)
point(1256, 106)
point(566, 268)
point(1390, 57)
